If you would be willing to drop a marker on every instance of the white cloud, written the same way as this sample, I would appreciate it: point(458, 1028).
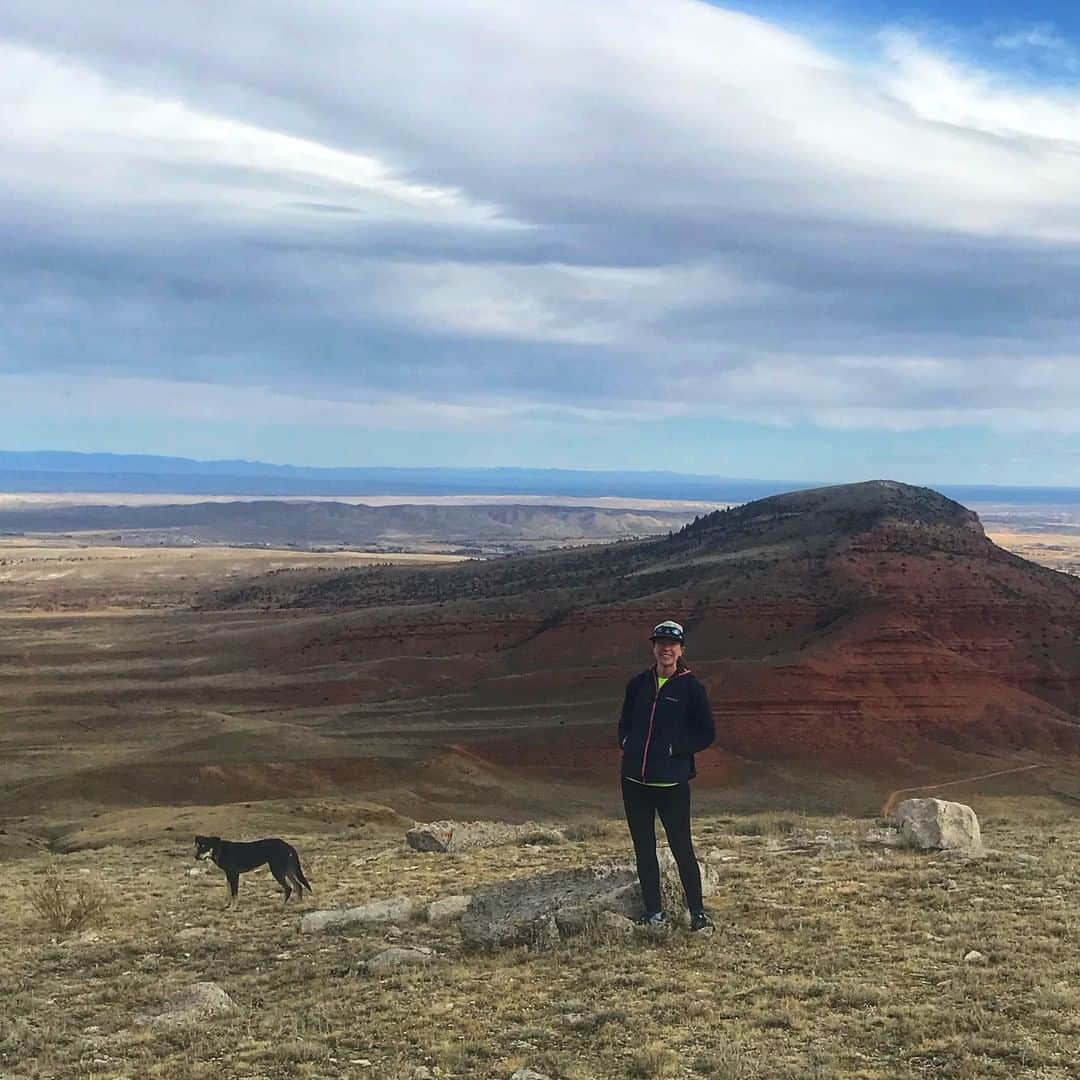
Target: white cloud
point(556, 205)
point(944, 90)
point(81, 138)
point(1041, 38)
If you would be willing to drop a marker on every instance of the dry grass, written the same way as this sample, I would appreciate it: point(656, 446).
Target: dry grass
point(830, 962)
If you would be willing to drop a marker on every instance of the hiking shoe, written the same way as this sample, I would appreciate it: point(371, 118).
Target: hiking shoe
point(654, 920)
point(699, 920)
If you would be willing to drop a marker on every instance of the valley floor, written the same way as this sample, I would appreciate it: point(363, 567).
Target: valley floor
point(834, 958)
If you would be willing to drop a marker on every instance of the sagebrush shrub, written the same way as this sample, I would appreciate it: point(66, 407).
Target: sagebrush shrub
point(64, 905)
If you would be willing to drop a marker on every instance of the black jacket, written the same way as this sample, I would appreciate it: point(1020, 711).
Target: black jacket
point(660, 732)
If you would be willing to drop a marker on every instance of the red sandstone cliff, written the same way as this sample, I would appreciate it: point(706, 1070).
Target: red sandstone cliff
point(857, 624)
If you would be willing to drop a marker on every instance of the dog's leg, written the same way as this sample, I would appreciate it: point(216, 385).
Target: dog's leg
point(282, 878)
point(233, 878)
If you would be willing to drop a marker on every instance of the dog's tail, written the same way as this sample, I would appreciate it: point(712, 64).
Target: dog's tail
point(298, 874)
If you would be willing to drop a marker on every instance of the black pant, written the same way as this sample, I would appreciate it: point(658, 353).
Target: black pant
point(642, 804)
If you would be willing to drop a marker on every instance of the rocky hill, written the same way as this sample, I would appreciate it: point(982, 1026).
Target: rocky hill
point(860, 624)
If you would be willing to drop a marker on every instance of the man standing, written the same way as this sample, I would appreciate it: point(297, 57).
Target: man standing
point(666, 718)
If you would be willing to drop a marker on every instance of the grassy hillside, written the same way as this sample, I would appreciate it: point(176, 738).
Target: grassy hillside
point(835, 958)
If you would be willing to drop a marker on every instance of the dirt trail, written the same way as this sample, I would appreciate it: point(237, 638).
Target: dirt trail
point(890, 802)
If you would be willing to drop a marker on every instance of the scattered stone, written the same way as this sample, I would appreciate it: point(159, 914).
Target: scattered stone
point(398, 909)
point(443, 836)
point(447, 909)
point(888, 836)
point(529, 1074)
point(935, 825)
point(542, 910)
point(196, 871)
point(836, 845)
point(974, 957)
point(717, 855)
point(194, 933)
point(397, 957)
point(194, 1002)
point(612, 924)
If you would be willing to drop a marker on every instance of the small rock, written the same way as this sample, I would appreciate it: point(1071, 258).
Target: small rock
point(887, 836)
point(85, 937)
point(529, 1074)
point(974, 957)
point(717, 855)
point(612, 924)
point(196, 871)
point(194, 1002)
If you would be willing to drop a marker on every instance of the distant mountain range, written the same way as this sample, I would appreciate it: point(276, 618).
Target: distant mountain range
point(471, 530)
point(55, 471)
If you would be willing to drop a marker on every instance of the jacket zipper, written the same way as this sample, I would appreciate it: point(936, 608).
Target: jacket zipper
point(656, 698)
point(648, 738)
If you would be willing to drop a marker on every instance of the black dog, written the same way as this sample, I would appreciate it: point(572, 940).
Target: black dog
point(236, 858)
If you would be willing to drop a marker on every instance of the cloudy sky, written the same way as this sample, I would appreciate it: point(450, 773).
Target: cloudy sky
point(830, 243)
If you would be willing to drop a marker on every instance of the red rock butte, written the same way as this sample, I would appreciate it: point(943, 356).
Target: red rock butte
point(855, 626)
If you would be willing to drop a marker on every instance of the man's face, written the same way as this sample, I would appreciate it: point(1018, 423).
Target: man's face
point(666, 652)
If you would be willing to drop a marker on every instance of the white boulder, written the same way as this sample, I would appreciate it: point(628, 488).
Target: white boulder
point(938, 825)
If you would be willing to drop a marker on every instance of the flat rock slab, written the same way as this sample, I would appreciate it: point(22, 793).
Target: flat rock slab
point(540, 911)
point(449, 835)
point(397, 909)
point(447, 909)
